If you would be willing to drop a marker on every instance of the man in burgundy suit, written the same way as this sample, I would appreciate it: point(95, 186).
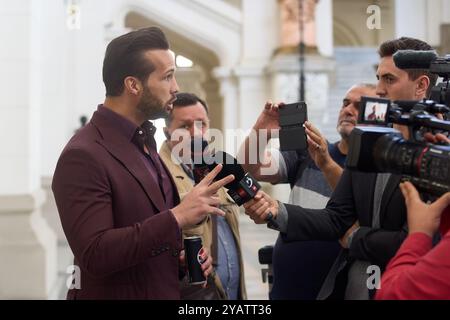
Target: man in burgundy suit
point(118, 205)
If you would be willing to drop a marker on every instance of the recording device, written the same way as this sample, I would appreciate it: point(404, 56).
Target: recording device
point(244, 187)
point(292, 133)
point(199, 155)
point(383, 149)
point(426, 165)
point(428, 60)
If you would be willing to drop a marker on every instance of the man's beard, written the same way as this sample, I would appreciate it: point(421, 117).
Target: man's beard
point(150, 106)
point(343, 127)
point(344, 132)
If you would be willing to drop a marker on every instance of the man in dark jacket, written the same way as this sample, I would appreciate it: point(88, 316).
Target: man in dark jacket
point(366, 210)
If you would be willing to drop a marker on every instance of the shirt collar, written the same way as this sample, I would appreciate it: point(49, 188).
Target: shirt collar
point(124, 126)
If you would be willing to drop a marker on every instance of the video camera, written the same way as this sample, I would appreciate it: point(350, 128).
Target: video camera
point(383, 149)
point(378, 147)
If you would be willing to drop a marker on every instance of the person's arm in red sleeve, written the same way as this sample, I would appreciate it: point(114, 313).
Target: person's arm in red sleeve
point(419, 271)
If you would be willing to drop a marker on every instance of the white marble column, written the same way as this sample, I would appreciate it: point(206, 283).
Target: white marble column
point(421, 19)
point(55, 63)
point(27, 244)
point(445, 11)
point(229, 92)
point(410, 18)
point(324, 27)
point(259, 31)
point(252, 94)
point(434, 16)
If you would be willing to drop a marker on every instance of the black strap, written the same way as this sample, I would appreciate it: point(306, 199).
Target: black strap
point(214, 240)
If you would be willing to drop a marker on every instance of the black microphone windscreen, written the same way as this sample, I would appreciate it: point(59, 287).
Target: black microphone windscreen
point(230, 166)
point(198, 147)
point(414, 59)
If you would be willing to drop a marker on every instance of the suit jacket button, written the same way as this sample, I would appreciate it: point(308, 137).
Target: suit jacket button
point(175, 253)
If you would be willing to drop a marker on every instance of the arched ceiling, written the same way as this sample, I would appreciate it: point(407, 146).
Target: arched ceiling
point(179, 44)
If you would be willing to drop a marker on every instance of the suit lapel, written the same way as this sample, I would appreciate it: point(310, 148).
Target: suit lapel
point(391, 186)
point(368, 181)
point(127, 154)
point(172, 181)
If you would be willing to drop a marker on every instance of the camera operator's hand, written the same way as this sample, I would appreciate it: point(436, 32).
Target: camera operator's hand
point(436, 138)
point(260, 206)
point(269, 118)
point(423, 217)
point(201, 200)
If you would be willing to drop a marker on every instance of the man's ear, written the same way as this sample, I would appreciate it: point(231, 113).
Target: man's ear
point(132, 85)
point(422, 84)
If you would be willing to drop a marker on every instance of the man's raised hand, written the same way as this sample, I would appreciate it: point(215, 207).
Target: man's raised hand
point(202, 200)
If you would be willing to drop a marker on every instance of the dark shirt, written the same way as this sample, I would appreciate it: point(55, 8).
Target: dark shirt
point(140, 136)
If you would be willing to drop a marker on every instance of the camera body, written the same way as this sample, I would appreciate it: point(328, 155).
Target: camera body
point(383, 149)
point(441, 67)
point(292, 133)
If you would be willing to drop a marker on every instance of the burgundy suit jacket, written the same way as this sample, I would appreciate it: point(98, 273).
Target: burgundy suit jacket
point(124, 239)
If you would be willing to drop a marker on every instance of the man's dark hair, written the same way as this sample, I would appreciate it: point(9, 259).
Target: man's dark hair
point(185, 99)
point(124, 57)
point(388, 48)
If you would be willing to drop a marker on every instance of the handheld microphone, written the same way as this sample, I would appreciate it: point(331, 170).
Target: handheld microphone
point(200, 168)
point(244, 187)
point(414, 59)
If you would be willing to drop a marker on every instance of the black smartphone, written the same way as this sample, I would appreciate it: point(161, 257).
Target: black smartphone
point(292, 133)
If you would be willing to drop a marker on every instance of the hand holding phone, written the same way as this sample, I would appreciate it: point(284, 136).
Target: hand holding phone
point(292, 133)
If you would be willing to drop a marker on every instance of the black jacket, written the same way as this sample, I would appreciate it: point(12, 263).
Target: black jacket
point(353, 200)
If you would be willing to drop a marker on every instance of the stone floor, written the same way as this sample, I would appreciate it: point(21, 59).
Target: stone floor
point(253, 237)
